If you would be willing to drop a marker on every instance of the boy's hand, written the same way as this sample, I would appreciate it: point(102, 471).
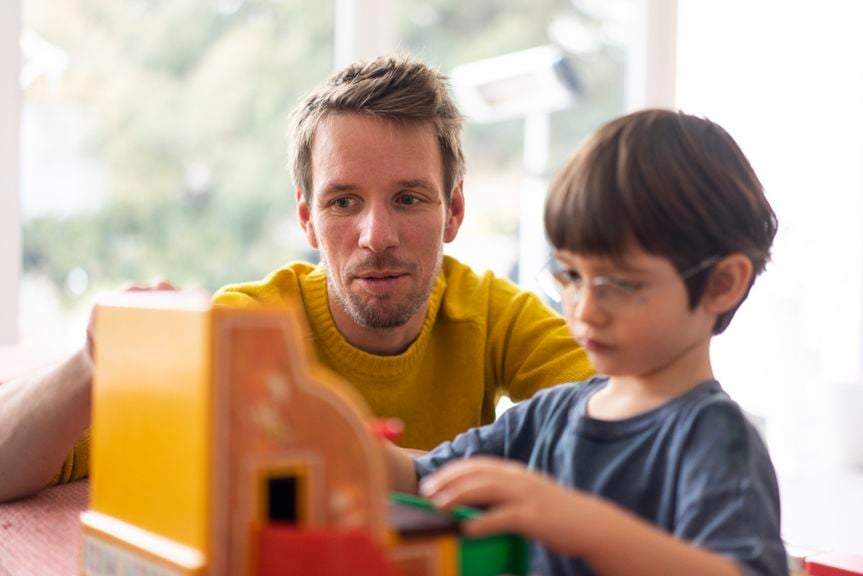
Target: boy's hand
point(519, 501)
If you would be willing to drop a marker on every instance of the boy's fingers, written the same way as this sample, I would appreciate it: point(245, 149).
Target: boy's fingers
point(493, 522)
point(479, 490)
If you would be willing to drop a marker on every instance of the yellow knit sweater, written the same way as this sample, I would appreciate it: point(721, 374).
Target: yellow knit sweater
point(482, 337)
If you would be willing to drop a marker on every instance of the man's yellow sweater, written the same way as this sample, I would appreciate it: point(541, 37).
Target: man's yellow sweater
point(482, 338)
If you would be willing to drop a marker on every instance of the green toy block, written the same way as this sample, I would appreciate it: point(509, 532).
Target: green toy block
point(492, 555)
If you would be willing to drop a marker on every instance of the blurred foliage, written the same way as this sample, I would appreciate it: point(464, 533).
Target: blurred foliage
point(192, 99)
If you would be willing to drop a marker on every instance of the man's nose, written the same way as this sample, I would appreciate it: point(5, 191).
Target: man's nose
point(379, 228)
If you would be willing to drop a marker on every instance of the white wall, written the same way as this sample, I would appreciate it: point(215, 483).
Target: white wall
point(10, 230)
point(786, 80)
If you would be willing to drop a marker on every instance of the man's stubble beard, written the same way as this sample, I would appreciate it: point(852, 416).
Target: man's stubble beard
point(380, 314)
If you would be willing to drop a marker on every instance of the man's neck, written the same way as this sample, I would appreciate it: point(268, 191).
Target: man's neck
point(383, 341)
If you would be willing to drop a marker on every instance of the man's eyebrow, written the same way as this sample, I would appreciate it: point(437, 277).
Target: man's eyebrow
point(417, 183)
point(337, 187)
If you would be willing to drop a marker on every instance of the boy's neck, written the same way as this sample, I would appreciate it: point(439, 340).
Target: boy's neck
point(626, 396)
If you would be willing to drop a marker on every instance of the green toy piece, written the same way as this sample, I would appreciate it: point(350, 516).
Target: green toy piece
point(478, 556)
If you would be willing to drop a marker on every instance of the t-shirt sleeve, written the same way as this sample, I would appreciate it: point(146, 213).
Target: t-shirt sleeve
point(512, 436)
point(728, 498)
point(531, 346)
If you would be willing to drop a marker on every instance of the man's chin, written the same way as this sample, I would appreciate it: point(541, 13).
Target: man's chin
point(377, 317)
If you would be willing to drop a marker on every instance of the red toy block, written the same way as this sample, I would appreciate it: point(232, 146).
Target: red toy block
point(834, 564)
point(284, 550)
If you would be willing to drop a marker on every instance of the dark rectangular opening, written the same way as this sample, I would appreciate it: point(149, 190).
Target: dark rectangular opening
point(283, 497)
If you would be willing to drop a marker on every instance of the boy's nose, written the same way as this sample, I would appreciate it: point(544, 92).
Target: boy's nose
point(378, 229)
point(588, 309)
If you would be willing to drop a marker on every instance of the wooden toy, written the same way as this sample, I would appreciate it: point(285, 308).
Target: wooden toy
point(220, 447)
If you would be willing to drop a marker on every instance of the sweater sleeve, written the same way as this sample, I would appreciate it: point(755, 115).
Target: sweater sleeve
point(77, 464)
point(531, 346)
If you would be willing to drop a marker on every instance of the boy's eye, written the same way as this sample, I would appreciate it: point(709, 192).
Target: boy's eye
point(572, 277)
point(566, 278)
point(622, 285)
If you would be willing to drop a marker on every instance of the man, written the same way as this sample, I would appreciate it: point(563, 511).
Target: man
point(378, 167)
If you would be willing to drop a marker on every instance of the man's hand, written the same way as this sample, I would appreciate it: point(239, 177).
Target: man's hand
point(89, 349)
point(43, 415)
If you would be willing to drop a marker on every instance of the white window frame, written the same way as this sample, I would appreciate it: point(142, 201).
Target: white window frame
point(10, 219)
point(651, 61)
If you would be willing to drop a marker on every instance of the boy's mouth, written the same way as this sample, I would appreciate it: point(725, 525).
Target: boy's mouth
point(594, 346)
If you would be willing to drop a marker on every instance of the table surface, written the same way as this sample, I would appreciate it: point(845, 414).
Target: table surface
point(41, 535)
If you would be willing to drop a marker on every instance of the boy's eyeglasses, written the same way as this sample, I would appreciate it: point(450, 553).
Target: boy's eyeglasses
point(615, 296)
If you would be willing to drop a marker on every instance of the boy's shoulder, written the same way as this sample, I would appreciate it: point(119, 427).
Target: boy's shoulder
point(568, 394)
point(707, 400)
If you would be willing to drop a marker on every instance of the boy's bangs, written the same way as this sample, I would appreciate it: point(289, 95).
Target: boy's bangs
point(583, 217)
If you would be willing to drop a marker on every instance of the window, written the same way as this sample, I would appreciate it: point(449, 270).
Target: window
point(153, 143)
point(504, 185)
point(153, 136)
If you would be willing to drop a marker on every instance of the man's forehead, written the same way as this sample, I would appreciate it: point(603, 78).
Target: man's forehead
point(351, 148)
point(337, 124)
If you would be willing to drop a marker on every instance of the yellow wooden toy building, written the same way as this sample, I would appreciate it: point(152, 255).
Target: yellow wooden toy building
point(219, 447)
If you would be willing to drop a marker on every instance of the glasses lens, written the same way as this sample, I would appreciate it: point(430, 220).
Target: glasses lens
point(549, 283)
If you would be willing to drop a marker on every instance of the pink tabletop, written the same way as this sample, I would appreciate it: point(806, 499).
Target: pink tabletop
point(41, 535)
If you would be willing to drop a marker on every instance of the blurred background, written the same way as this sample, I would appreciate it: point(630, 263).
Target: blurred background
point(145, 138)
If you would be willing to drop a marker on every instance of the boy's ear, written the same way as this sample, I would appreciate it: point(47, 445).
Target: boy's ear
point(728, 283)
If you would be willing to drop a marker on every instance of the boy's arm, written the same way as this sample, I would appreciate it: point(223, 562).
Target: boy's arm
point(41, 418)
point(622, 543)
point(571, 523)
point(403, 475)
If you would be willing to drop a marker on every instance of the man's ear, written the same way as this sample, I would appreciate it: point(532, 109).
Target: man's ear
point(304, 216)
point(455, 212)
point(728, 283)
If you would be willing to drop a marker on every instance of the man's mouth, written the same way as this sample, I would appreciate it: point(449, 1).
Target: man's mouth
point(380, 281)
point(380, 275)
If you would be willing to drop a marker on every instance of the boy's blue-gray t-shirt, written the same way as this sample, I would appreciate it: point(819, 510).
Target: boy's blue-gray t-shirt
point(694, 467)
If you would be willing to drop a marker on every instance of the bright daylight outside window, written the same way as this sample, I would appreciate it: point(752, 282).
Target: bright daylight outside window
point(153, 134)
point(153, 143)
point(591, 35)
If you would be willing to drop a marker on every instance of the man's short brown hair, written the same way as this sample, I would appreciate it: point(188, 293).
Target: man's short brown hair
point(398, 88)
point(676, 185)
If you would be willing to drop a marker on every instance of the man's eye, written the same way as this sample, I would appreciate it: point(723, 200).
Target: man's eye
point(343, 202)
point(408, 199)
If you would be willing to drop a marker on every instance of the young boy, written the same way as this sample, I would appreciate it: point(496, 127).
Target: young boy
point(660, 226)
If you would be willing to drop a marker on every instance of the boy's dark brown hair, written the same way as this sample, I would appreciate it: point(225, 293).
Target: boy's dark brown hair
point(675, 184)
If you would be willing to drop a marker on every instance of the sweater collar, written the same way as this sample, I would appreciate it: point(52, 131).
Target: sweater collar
point(346, 358)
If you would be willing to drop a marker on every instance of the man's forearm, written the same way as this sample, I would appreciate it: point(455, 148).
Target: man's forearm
point(41, 418)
